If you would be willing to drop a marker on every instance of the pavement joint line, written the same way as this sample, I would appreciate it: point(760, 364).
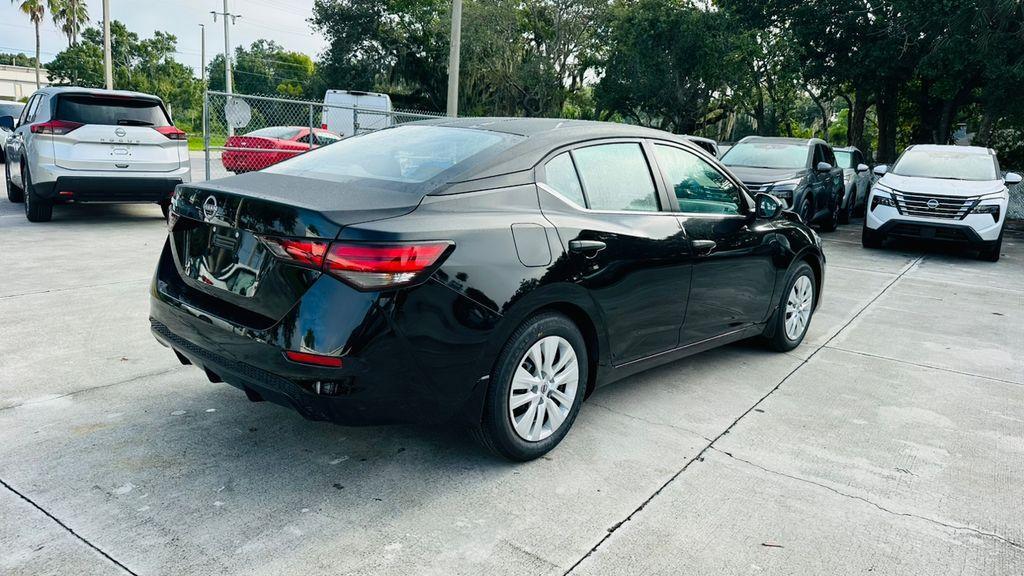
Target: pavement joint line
point(929, 366)
point(855, 269)
point(651, 422)
point(710, 446)
point(87, 286)
point(93, 388)
point(68, 528)
point(958, 527)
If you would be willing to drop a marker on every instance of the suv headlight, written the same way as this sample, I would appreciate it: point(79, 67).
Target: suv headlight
point(881, 197)
point(784, 189)
point(992, 209)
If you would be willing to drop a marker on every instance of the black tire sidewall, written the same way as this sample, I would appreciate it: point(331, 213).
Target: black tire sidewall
point(497, 425)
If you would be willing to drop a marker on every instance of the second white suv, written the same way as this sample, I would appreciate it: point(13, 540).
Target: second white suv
point(82, 145)
point(943, 193)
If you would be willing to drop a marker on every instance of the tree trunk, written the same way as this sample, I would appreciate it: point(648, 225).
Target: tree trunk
point(37, 55)
point(858, 116)
point(887, 123)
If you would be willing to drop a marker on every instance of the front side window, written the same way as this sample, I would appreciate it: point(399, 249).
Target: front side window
point(767, 155)
point(845, 159)
point(616, 177)
point(699, 187)
point(560, 174)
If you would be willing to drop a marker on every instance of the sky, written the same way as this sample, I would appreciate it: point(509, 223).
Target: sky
point(283, 21)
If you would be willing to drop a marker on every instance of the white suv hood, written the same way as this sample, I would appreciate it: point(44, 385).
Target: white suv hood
point(940, 187)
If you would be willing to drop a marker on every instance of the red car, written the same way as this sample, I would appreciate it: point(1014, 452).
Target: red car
point(268, 146)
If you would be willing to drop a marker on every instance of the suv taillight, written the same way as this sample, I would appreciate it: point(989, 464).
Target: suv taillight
point(55, 127)
point(171, 132)
point(365, 266)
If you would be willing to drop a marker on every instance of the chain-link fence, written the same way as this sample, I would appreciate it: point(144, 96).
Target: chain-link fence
point(244, 133)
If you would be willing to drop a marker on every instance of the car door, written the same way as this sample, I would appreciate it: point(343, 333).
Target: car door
point(734, 273)
point(18, 142)
point(623, 243)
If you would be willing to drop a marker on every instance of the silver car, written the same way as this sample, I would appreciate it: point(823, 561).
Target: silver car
point(72, 145)
point(857, 179)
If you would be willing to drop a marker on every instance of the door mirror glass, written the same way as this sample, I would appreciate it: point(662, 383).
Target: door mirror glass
point(862, 168)
point(768, 206)
point(824, 167)
point(881, 169)
point(7, 123)
point(1012, 179)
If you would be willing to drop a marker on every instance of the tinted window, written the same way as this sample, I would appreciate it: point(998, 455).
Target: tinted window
point(699, 187)
point(33, 105)
point(616, 177)
point(279, 132)
point(561, 175)
point(325, 138)
point(305, 139)
point(409, 154)
point(948, 163)
point(108, 111)
point(767, 155)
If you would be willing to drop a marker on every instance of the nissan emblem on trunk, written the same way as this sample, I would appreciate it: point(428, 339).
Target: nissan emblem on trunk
point(210, 207)
point(120, 132)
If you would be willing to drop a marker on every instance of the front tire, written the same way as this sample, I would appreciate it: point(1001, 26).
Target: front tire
point(869, 238)
point(36, 209)
point(845, 214)
point(806, 212)
point(165, 209)
point(14, 194)
point(832, 223)
point(536, 389)
point(991, 253)
point(796, 307)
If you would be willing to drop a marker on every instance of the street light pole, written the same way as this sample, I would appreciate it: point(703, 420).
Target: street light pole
point(202, 55)
point(453, 59)
point(229, 19)
point(108, 67)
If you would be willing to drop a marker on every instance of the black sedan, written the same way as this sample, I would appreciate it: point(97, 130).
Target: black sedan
point(488, 271)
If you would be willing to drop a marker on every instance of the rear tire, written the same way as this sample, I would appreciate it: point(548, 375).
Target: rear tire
point(36, 209)
point(870, 238)
point(788, 327)
point(541, 371)
point(832, 223)
point(806, 213)
point(846, 213)
point(165, 209)
point(991, 253)
point(14, 194)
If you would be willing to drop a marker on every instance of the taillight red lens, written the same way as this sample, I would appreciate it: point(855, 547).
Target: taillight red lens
point(298, 250)
point(376, 266)
point(55, 127)
point(314, 359)
point(171, 132)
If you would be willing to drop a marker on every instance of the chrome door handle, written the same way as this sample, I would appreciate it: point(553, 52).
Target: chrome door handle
point(589, 247)
point(703, 247)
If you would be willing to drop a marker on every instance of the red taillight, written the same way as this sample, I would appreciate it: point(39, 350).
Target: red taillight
point(314, 359)
point(55, 127)
point(376, 266)
point(171, 132)
point(299, 250)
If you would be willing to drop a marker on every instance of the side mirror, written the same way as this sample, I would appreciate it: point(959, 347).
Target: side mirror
point(1012, 179)
point(7, 123)
point(881, 169)
point(767, 207)
point(862, 168)
point(824, 167)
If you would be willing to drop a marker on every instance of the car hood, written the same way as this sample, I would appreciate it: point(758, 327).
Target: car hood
point(750, 175)
point(940, 187)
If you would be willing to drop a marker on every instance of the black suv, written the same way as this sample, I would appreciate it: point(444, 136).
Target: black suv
point(803, 173)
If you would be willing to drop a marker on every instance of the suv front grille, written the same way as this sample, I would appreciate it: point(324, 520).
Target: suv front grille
point(931, 206)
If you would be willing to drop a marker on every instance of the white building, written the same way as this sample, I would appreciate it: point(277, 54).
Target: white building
point(17, 82)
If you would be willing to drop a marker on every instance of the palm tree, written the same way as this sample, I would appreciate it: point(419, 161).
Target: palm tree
point(69, 16)
point(35, 10)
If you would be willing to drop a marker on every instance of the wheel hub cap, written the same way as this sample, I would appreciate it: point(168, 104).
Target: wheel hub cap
point(543, 388)
point(798, 307)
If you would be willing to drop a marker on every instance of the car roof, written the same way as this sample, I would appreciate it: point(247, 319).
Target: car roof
point(980, 150)
point(54, 90)
point(783, 140)
point(542, 135)
point(847, 149)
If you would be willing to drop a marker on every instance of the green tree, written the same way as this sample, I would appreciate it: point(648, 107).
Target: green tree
point(35, 10)
point(265, 68)
point(19, 59)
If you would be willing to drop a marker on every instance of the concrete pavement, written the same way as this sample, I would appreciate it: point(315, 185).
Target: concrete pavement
point(892, 441)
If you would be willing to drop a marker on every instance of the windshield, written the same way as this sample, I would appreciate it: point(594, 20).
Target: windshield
point(279, 132)
point(11, 109)
point(845, 159)
point(767, 155)
point(947, 164)
point(111, 110)
point(407, 154)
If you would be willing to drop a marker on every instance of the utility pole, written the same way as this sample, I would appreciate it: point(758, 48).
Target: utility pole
point(202, 55)
point(229, 19)
point(453, 59)
point(108, 67)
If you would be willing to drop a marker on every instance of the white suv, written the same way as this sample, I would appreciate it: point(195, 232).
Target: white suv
point(946, 193)
point(81, 145)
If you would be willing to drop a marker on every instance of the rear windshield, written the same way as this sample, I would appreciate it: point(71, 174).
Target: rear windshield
point(767, 155)
point(279, 132)
point(407, 155)
point(947, 164)
point(87, 109)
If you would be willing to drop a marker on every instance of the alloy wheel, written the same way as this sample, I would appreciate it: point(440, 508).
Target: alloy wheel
point(798, 307)
point(543, 388)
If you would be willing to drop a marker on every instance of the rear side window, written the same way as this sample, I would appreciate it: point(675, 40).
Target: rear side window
point(407, 154)
point(30, 110)
point(561, 175)
point(616, 177)
point(87, 109)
